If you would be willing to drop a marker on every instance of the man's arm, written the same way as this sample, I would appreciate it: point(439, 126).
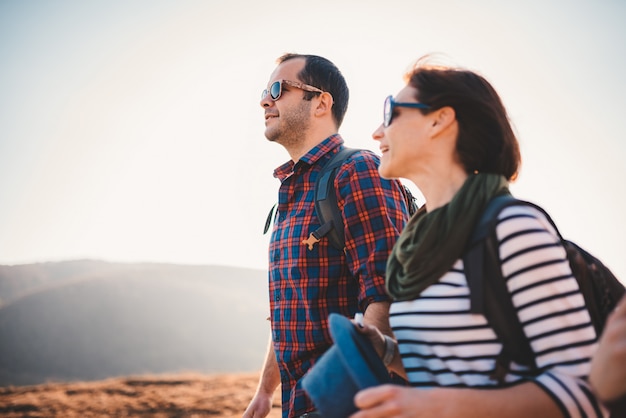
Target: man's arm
point(377, 315)
point(373, 212)
point(261, 405)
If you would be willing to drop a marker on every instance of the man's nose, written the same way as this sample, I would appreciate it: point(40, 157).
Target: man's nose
point(266, 101)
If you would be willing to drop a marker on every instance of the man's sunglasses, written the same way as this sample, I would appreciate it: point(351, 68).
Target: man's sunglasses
point(390, 104)
point(276, 89)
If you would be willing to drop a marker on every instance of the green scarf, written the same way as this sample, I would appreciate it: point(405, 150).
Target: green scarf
point(431, 242)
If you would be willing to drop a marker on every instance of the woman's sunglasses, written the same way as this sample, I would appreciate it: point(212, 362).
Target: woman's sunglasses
point(276, 89)
point(390, 104)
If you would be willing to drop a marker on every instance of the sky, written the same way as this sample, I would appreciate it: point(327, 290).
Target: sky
point(131, 131)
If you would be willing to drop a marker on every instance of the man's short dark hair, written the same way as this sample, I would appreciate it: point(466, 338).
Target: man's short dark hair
point(323, 74)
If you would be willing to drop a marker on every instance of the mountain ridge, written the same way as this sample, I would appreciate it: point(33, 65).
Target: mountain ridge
point(89, 320)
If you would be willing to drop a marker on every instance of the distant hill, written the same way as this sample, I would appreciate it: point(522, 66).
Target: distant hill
point(19, 280)
point(90, 320)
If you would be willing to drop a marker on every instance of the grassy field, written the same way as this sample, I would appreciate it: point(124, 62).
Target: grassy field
point(182, 396)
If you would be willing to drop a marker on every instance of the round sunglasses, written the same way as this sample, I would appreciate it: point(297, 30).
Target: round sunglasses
point(390, 104)
point(276, 88)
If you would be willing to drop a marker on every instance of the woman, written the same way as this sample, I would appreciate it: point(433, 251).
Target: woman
point(447, 131)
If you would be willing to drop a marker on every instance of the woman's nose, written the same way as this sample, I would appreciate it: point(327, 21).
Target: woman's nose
point(379, 133)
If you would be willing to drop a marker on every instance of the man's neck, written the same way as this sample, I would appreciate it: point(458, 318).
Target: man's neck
point(297, 151)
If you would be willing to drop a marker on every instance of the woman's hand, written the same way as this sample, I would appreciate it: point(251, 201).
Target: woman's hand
point(388, 401)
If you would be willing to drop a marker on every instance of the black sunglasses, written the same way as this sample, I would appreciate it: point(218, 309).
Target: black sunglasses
point(276, 89)
point(390, 104)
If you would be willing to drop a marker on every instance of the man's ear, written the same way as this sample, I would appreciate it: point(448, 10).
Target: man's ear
point(325, 104)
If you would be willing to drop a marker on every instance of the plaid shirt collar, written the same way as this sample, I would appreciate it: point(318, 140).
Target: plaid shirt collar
point(310, 158)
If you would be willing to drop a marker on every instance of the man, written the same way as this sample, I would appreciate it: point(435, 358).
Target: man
point(304, 105)
point(608, 366)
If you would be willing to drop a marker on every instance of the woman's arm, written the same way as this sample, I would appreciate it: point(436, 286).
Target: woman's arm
point(550, 307)
point(523, 401)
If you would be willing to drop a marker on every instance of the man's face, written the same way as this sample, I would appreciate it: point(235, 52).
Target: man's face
point(287, 118)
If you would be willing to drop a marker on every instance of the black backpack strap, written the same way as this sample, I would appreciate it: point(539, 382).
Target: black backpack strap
point(270, 217)
point(476, 255)
point(326, 207)
point(411, 201)
point(488, 291)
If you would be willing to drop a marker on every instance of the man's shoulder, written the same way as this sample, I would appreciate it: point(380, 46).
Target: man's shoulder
point(364, 153)
point(360, 160)
point(361, 168)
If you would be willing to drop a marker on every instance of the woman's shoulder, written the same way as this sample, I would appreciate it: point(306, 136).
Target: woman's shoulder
point(524, 216)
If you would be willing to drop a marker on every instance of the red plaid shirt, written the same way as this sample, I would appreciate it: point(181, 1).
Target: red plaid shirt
point(305, 285)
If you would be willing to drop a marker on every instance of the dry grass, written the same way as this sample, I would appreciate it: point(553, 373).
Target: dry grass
point(187, 396)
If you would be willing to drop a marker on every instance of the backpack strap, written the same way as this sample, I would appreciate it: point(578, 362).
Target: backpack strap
point(489, 294)
point(326, 207)
point(476, 255)
point(411, 201)
point(270, 217)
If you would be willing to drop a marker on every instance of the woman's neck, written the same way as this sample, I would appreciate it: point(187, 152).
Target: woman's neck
point(439, 189)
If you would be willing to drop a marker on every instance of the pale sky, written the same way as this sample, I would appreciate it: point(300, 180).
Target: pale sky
point(130, 130)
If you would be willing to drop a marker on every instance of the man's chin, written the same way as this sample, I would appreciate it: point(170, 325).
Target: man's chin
point(271, 136)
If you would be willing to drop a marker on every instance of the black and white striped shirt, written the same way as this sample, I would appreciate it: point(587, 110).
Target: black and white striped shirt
point(443, 344)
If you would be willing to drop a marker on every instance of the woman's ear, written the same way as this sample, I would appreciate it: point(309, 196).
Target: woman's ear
point(443, 118)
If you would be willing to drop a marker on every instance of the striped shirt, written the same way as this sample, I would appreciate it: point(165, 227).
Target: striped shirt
point(443, 344)
point(305, 285)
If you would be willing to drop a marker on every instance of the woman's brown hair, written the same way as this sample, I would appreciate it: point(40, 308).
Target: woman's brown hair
point(486, 142)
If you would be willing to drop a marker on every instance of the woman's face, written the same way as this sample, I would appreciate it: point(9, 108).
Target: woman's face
point(404, 143)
